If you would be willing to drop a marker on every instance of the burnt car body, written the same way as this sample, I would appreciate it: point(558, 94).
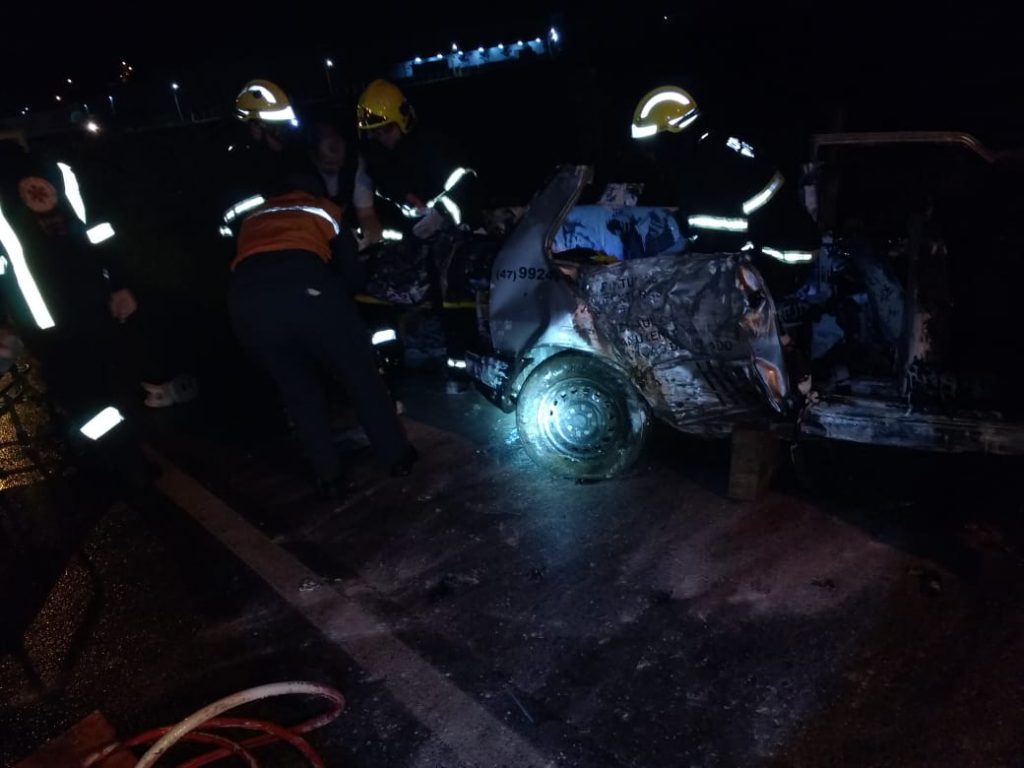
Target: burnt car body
point(587, 354)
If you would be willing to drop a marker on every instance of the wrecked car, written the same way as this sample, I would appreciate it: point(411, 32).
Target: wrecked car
point(864, 350)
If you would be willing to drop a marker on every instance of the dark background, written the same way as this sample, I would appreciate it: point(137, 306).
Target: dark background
point(772, 73)
point(775, 70)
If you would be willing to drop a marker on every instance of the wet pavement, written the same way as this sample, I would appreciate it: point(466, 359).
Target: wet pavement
point(650, 621)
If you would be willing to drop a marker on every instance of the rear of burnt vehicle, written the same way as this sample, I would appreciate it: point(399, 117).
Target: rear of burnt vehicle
point(904, 320)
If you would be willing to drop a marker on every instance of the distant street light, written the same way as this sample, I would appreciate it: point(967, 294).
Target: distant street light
point(174, 90)
point(328, 66)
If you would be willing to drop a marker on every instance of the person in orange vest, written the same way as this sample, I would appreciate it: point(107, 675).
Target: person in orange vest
point(295, 316)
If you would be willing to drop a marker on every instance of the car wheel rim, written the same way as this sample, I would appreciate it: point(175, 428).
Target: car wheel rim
point(579, 419)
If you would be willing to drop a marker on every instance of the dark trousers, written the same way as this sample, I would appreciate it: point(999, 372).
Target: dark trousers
point(294, 317)
point(84, 370)
point(155, 339)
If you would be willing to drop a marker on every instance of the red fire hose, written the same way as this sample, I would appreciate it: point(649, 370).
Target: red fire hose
point(193, 729)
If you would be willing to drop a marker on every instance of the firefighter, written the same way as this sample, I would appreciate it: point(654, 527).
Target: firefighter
point(64, 295)
point(268, 150)
point(294, 315)
point(422, 176)
point(728, 195)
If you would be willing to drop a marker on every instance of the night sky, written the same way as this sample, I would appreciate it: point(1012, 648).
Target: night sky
point(937, 65)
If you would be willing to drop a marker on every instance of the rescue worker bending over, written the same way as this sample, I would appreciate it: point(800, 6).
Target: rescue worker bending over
point(728, 195)
point(422, 176)
point(294, 315)
point(64, 294)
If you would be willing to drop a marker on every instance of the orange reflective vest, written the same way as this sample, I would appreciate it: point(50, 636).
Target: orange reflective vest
point(297, 221)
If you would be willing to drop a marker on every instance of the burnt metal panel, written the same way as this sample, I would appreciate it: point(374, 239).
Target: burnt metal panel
point(873, 422)
point(687, 329)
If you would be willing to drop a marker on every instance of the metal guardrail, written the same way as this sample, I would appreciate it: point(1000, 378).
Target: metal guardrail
point(880, 138)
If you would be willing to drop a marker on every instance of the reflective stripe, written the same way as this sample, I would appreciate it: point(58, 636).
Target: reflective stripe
point(264, 92)
point(789, 257)
point(72, 191)
point(26, 284)
point(456, 177)
point(300, 209)
point(383, 337)
point(719, 223)
point(453, 210)
point(660, 98)
point(747, 246)
point(391, 234)
point(740, 146)
point(225, 231)
point(453, 363)
point(407, 210)
point(277, 115)
point(761, 198)
point(100, 233)
point(683, 120)
point(3, 264)
point(243, 206)
point(101, 423)
point(680, 122)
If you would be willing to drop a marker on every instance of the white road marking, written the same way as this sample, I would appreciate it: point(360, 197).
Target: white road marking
point(467, 728)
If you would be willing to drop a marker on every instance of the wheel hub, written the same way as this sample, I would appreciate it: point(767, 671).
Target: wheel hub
point(578, 418)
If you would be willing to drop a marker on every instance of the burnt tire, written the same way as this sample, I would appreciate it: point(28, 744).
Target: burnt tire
point(581, 418)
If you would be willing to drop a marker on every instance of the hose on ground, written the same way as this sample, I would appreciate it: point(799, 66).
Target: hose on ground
point(193, 729)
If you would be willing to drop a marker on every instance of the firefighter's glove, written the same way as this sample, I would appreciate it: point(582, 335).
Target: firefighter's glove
point(429, 225)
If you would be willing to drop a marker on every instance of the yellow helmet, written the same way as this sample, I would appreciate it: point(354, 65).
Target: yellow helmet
point(383, 103)
point(265, 101)
point(667, 108)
